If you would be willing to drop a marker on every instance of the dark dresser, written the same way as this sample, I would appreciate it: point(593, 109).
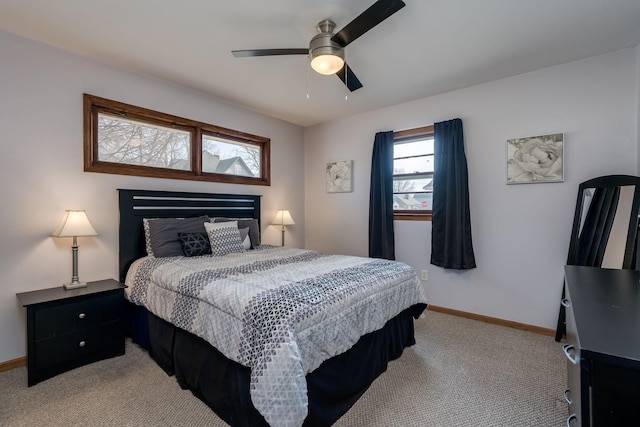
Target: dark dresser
point(603, 346)
point(70, 328)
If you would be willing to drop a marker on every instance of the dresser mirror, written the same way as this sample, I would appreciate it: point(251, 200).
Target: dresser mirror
point(605, 227)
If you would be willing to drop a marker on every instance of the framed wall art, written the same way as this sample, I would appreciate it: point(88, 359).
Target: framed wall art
point(535, 159)
point(339, 176)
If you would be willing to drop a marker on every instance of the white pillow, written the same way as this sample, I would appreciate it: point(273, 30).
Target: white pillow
point(224, 237)
point(246, 240)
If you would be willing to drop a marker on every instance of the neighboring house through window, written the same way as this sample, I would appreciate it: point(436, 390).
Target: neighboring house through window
point(129, 140)
point(413, 161)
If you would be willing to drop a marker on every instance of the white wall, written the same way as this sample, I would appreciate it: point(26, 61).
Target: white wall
point(638, 102)
point(41, 169)
point(520, 232)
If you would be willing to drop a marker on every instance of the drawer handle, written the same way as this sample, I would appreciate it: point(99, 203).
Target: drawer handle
point(566, 396)
point(82, 344)
point(571, 418)
point(567, 348)
point(81, 316)
point(565, 302)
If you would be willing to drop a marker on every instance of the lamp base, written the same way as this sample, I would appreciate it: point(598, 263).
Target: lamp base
point(75, 285)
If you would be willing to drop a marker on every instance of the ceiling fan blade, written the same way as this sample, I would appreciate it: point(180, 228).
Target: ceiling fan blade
point(269, 52)
point(378, 12)
point(348, 78)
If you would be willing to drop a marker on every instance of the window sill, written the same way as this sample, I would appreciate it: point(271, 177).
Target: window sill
point(412, 216)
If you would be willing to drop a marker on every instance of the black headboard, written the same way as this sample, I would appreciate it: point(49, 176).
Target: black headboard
point(135, 205)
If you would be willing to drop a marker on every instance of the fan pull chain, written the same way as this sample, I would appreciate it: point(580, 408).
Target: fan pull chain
point(346, 80)
point(307, 81)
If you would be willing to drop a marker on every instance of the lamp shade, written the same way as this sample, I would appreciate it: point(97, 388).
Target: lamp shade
point(327, 64)
point(74, 224)
point(283, 217)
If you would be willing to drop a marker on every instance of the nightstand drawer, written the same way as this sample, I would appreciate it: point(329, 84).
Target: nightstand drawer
point(79, 344)
point(67, 317)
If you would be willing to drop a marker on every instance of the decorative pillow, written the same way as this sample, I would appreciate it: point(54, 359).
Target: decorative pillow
point(252, 223)
point(224, 237)
point(194, 244)
point(163, 234)
point(244, 236)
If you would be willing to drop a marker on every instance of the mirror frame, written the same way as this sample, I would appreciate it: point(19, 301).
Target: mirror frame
point(631, 244)
point(608, 181)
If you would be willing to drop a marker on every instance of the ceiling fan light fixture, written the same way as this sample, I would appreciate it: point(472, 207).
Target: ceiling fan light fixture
point(327, 64)
point(327, 56)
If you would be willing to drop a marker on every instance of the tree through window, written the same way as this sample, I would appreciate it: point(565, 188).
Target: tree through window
point(134, 143)
point(129, 140)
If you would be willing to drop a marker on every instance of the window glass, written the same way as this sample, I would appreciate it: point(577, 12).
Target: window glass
point(230, 157)
point(134, 143)
point(413, 147)
point(413, 165)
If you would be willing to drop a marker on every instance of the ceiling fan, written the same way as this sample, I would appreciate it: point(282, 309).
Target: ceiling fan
point(326, 49)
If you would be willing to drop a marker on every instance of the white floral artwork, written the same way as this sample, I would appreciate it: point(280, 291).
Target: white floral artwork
point(535, 159)
point(339, 177)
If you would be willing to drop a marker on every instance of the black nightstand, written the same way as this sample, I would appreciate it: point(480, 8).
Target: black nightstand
point(71, 328)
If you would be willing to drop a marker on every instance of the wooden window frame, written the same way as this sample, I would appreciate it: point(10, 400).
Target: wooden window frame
point(413, 215)
point(93, 105)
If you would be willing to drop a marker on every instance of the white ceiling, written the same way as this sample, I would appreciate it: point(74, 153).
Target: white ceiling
point(426, 48)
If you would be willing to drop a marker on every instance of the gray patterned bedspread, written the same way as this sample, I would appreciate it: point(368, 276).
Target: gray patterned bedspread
point(279, 311)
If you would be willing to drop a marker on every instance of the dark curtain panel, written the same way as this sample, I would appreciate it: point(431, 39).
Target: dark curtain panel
point(451, 245)
point(381, 236)
point(594, 235)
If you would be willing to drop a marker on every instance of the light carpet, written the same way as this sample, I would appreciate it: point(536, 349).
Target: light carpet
point(461, 372)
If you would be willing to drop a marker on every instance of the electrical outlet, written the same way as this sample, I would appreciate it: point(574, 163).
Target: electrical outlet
point(424, 275)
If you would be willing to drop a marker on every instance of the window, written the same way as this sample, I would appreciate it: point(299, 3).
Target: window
point(127, 140)
point(413, 159)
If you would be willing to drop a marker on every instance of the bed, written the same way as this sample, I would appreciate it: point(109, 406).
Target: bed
point(264, 335)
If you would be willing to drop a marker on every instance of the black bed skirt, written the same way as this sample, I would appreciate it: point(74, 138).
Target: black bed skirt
point(224, 384)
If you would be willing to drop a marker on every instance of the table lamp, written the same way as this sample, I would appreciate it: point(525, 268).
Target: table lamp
point(74, 224)
point(283, 217)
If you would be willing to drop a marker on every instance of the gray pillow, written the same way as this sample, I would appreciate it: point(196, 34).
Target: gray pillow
point(163, 234)
point(252, 223)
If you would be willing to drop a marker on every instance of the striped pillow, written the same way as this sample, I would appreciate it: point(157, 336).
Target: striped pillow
point(224, 237)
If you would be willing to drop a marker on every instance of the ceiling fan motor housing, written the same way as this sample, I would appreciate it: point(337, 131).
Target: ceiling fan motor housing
point(321, 44)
